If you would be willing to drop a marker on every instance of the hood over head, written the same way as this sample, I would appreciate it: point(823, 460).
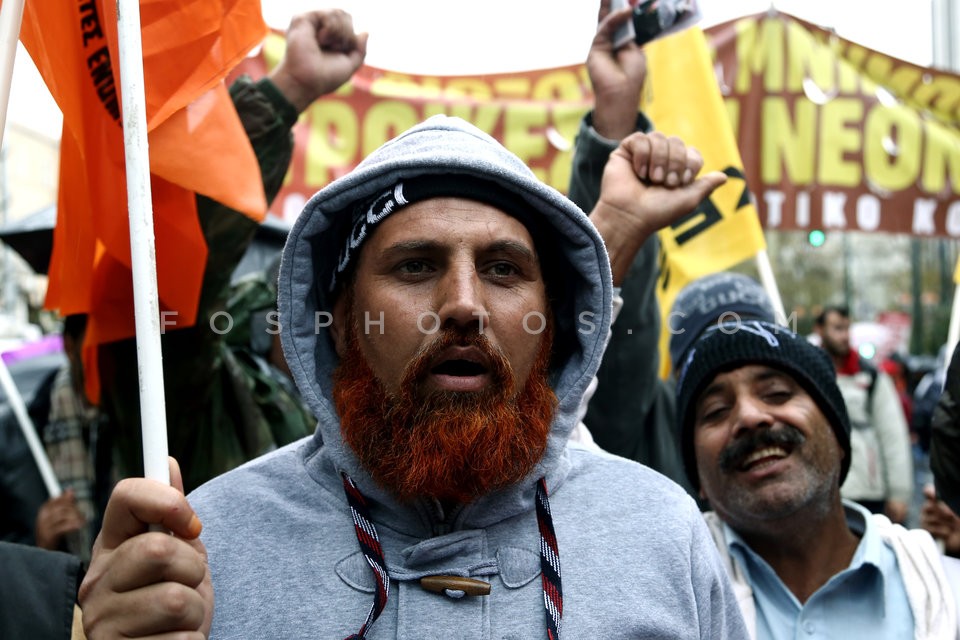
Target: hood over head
point(453, 152)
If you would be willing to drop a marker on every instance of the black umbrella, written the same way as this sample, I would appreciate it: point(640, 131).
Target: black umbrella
point(32, 237)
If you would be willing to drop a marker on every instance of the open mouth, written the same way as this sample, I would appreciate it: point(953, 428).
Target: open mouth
point(459, 368)
point(763, 457)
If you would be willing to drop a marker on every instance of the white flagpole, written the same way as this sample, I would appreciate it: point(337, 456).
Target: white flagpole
point(770, 285)
point(146, 303)
point(29, 431)
point(11, 16)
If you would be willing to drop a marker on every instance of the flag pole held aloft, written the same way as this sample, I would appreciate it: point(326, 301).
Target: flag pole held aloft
point(770, 285)
point(11, 16)
point(146, 303)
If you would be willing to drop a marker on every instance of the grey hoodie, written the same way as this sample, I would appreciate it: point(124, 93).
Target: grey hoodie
point(636, 558)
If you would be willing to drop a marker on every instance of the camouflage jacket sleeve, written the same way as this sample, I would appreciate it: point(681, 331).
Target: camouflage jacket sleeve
point(204, 421)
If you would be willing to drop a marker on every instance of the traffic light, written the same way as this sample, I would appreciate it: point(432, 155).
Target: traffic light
point(816, 238)
point(867, 350)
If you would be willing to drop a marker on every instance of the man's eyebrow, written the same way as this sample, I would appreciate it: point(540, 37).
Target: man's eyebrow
point(513, 246)
point(770, 373)
point(405, 246)
point(506, 246)
point(712, 388)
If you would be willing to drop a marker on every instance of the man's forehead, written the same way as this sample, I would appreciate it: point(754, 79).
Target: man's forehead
point(750, 373)
point(441, 220)
point(835, 317)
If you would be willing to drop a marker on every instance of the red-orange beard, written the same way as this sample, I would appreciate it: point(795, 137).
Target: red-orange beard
point(442, 444)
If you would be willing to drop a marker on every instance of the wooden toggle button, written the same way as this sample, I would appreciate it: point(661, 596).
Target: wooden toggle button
point(442, 584)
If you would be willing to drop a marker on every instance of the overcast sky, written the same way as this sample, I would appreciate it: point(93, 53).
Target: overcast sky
point(456, 37)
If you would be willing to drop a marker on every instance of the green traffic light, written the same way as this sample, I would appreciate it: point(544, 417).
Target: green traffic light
point(816, 238)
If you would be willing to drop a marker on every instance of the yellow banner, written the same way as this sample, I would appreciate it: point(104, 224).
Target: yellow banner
point(536, 115)
point(838, 136)
point(683, 99)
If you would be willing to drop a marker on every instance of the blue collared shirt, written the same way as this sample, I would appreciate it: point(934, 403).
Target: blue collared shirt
point(866, 600)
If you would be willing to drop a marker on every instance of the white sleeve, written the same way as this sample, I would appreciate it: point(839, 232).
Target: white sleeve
point(894, 437)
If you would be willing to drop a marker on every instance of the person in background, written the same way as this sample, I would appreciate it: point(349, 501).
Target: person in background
point(227, 398)
point(766, 438)
point(38, 593)
point(442, 312)
point(631, 412)
point(926, 396)
point(881, 467)
point(27, 514)
point(72, 440)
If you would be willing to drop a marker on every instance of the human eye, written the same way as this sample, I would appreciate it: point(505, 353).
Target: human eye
point(712, 411)
point(413, 268)
point(777, 393)
point(503, 270)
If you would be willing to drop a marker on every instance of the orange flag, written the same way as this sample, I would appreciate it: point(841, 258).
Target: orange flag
point(196, 141)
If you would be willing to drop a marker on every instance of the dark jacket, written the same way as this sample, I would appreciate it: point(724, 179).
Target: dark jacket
point(632, 413)
point(37, 592)
point(22, 490)
point(945, 437)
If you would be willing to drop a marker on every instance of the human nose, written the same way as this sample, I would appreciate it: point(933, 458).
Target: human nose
point(751, 413)
point(461, 298)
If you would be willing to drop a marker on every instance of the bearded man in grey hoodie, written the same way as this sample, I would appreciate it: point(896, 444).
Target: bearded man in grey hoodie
point(443, 313)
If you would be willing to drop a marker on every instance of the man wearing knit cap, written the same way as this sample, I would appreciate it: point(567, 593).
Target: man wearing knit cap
point(442, 312)
point(765, 438)
point(711, 300)
point(632, 412)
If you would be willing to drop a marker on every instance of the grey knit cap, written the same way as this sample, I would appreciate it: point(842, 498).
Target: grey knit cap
point(733, 345)
point(714, 298)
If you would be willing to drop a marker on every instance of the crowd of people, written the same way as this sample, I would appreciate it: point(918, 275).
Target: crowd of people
point(478, 443)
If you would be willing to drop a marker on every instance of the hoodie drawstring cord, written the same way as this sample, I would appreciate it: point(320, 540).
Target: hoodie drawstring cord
point(549, 564)
point(373, 552)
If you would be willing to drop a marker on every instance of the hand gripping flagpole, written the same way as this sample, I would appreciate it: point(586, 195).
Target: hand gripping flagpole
point(146, 303)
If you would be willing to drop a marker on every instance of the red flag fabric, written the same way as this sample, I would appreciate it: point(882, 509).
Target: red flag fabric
point(196, 142)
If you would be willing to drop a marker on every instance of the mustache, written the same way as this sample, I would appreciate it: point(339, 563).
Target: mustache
point(457, 336)
point(733, 456)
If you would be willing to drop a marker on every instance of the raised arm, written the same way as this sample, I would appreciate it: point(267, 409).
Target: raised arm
point(631, 413)
point(649, 182)
point(617, 77)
